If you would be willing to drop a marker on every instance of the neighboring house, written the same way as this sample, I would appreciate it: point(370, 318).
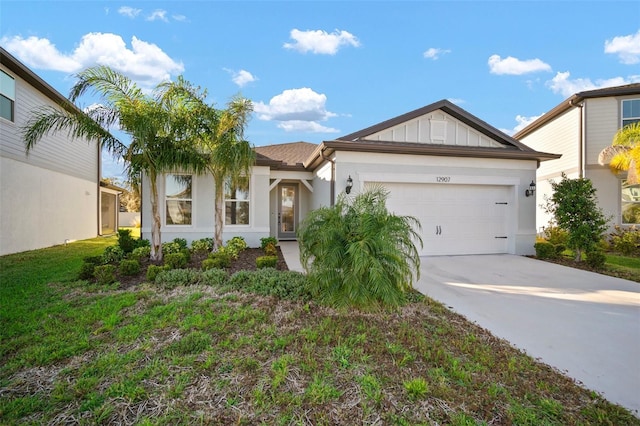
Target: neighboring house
point(579, 128)
point(462, 178)
point(50, 196)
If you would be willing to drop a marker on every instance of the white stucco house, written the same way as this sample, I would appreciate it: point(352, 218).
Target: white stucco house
point(579, 128)
point(52, 195)
point(465, 181)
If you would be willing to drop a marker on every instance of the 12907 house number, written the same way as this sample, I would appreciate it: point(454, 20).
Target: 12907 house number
point(443, 179)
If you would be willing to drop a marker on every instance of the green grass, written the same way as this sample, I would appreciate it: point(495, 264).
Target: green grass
point(210, 355)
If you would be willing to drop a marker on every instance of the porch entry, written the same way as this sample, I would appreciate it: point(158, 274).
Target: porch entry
point(287, 211)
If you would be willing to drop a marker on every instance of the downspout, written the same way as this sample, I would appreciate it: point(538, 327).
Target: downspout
point(581, 156)
point(333, 176)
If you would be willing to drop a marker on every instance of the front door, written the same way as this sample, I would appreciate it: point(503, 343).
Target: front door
point(287, 211)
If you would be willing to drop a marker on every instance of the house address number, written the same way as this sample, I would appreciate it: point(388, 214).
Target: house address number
point(443, 179)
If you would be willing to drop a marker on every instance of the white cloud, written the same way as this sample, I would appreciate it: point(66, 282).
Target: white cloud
point(626, 47)
point(434, 53)
point(321, 42)
point(129, 12)
point(566, 87)
point(145, 63)
point(457, 101)
point(179, 18)
point(297, 109)
point(515, 66)
point(242, 77)
point(522, 123)
point(158, 15)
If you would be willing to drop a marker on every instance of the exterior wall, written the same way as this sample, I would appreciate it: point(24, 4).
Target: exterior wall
point(128, 219)
point(517, 174)
point(305, 196)
point(203, 211)
point(322, 186)
point(602, 121)
point(51, 195)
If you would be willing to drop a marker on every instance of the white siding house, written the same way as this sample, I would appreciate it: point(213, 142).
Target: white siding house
point(52, 195)
point(464, 180)
point(580, 128)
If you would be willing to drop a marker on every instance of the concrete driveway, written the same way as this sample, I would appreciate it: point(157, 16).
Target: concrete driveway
point(584, 324)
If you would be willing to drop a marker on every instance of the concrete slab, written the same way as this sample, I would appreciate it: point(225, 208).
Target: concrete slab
point(291, 254)
point(584, 324)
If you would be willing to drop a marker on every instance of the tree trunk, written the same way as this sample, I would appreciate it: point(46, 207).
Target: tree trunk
point(578, 255)
point(156, 238)
point(219, 206)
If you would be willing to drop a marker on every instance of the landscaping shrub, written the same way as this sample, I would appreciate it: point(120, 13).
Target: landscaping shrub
point(112, 254)
point(129, 267)
point(87, 269)
point(171, 247)
point(235, 246)
point(266, 262)
point(556, 236)
point(214, 277)
point(596, 259)
point(202, 245)
point(359, 254)
point(270, 250)
point(140, 253)
point(271, 282)
point(175, 260)
point(220, 259)
point(105, 274)
point(264, 242)
point(545, 250)
point(153, 271)
point(177, 277)
point(625, 241)
point(125, 241)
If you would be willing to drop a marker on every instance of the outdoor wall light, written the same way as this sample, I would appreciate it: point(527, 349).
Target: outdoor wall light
point(532, 189)
point(349, 185)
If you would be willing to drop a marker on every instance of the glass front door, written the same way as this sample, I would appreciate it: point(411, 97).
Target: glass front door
point(287, 211)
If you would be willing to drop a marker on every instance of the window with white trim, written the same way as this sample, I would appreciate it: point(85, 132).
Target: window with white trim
point(630, 203)
point(236, 202)
point(630, 111)
point(178, 199)
point(7, 96)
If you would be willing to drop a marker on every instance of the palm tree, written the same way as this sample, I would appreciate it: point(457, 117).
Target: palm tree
point(159, 125)
point(624, 153)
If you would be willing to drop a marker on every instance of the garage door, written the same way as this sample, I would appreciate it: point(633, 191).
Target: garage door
point(455, 219)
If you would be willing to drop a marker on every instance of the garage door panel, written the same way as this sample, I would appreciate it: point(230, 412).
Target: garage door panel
point(455, 219)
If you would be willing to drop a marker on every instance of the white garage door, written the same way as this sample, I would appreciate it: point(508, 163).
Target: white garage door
point(455, 219)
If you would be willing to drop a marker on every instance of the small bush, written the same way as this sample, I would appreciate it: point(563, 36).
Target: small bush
point(178, 277)
point(175, 260)
point(170, 248)
point(143, 243)
point(625, 241)
point(270, 282)
point(264, 242)
point(545, 250)
point(202, 245)
point(129, 267)
point(105, 274)
point(235, 246)
point(266, 262)
point(213, 263)
point(140, 253)
point(214, 277)
point(153, 271)
point(182, 242)
point(87, 271)
point(221, 259)
point(559, 248)
point(125, 241)
point(270, 250)
point(596, 259)
point(556, 236)
point(112, 254)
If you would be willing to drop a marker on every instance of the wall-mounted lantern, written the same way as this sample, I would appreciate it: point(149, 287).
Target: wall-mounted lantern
point(531, 190)
point(349, 185)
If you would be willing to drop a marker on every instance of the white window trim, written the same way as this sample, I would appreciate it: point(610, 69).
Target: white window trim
point(165, 199)
point(622, 117)
point(12, 99)
point(248, 200)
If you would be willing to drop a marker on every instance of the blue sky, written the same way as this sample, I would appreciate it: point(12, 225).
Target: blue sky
point(318, 70)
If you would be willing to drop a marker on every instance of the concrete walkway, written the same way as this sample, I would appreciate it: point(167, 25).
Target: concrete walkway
point(586, 325)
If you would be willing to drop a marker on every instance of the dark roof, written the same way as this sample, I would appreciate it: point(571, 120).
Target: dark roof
point(574, 101)
point(34, 80)
point(286, 155)
point(451, 109)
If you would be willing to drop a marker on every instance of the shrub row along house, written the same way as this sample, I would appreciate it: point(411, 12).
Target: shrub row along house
point(54, 194)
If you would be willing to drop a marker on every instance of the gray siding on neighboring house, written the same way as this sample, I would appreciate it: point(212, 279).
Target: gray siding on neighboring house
point(602, 122)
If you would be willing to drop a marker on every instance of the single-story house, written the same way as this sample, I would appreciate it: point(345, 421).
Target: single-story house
point(53, 195)
point(468, 183)
point(579, 128)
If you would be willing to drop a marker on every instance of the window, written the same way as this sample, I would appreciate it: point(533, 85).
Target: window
point(630, 111)
point(178, 199)
point(7, 95)
point(630, 203)
point(236, 202)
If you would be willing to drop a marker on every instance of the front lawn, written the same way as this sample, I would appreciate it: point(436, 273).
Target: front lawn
point(72, 352)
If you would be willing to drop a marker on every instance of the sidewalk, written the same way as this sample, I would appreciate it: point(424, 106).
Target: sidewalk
point(291, 254)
